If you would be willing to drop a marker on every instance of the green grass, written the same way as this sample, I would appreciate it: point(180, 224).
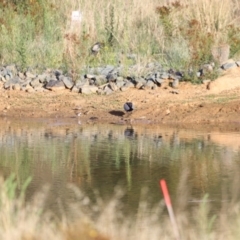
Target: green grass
point(179, 35)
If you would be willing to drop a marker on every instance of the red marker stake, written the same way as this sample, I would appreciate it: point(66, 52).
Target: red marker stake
point(167, 199)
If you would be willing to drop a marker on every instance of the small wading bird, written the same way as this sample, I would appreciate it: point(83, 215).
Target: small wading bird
point(128, 107)
point(96, 48)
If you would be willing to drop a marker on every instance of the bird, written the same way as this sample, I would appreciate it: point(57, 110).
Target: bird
point(128, 106)
point(96, 48)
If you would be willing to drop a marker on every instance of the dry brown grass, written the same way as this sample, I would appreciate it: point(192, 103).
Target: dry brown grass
point(105, 220)
point(190, 29)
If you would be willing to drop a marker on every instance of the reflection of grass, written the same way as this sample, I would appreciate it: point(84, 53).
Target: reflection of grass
point(29, 220)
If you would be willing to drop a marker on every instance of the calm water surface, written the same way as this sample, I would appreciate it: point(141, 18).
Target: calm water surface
point(101, 157)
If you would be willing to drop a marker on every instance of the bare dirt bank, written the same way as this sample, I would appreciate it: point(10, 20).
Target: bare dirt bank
point(194, 104)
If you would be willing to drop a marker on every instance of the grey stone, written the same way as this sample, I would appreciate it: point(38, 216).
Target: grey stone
point(80, 83)
point(113, 86)
point(50, 77)
point(105, 71)
point(111, 77)
point(173, 77)
point(16, 87)
point(149, 85)
point(39, 89)
point(55, 85)
point(140, 82)
point(119, 78)
point(75, 89)
point(164, 75)
point(68, 82)
point(42, 78)
point(2, 78)
point(100, 91)
point(30, 75)
point(120, 83)
point(8, 77)
point(108, 90)
point(101, 79)
point(21, 75)
point(160, 81)
point(90, 76)
point(57, 73)
point(126, 86)
point(175, 83)
point(8, 84)
point(35, 83)
point(11, 69)
point(88, 89)
point(29, 89)
point(228, 65)
point(238, 63)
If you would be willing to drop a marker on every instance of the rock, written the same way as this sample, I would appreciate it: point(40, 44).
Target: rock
point(100, 91)
point(2, 78)
point(149, 85)
point(228, 65)
point(88, 89)
point(42, 78)
point(90, 76)
point(140, 83)
point(11, 82)
point(80, 83)
point(164, 75)
point(238, 63)
point(57, 73)
point(75, 89)
point(100, 80)
point(48, 78)
point(160, 81)
point(108, 90)
point(230, 80)
point(29, 75)
point(21, 75)
point(120, 83)
point(111, 77)
point(11, 69)
point(67, 82)
point(55, 85)
point(126, 86)
point(113, 86)
point(120, 79)
point(16, 87)
point(105, 71)
point(167, 112)
point(35, 83)
point(29, 89)
point(175, 83)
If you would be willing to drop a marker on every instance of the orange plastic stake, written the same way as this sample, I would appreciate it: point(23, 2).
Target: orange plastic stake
point(167, 199)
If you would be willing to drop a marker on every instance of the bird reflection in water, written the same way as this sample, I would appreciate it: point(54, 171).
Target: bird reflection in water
point(129, 132)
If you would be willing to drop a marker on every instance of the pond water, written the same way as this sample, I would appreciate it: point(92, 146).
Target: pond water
point(101, 157)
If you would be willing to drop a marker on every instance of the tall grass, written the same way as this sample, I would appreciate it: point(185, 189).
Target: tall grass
point(21, 219)
point(177, 34)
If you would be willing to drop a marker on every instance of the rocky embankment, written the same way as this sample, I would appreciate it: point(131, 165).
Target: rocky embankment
point(101, 80)
point(160, 96)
